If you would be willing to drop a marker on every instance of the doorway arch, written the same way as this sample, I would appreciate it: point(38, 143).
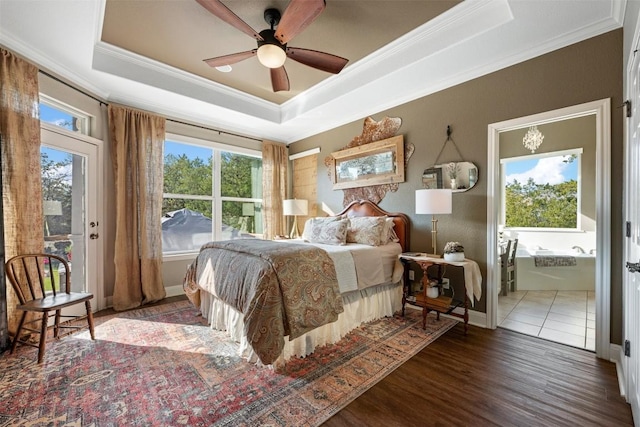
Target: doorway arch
point(602, 111)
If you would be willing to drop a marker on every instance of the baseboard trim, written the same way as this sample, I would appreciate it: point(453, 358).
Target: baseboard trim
point(172, 291)
point(616, 355)
point(475, 317)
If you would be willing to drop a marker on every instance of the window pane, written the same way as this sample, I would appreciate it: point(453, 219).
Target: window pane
point(192, 204)
point(542, 193)
point(186, 224)
point(241, 176)
point(187, 169)
point(59, 118)
point(241, 220)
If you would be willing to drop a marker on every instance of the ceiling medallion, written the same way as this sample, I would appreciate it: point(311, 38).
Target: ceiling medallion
point(532, 139)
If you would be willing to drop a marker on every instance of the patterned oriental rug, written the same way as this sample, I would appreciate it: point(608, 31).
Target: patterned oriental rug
point(163, 366)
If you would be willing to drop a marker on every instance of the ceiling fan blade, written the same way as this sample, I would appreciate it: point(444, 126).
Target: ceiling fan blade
point(223, 12)
point(316, 59)
point(298, 15)
point(219, 61)
point(279, 79)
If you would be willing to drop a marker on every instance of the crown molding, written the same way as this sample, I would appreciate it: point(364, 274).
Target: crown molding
point(122, 63)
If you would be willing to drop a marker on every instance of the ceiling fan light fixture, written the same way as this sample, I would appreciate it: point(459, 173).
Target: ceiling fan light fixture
point(271, 56)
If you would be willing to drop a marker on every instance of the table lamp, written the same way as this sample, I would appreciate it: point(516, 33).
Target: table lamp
point(294, 207)
point(433, 202)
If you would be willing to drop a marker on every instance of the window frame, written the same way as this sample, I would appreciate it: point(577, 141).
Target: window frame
point(503, 208)
point(83, 120)
point(215, 198)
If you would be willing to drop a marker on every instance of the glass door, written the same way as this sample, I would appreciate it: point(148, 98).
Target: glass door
point(69, 187)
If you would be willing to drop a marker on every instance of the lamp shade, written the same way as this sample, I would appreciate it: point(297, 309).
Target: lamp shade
point(433, 202)
point(248, 209)
point(295, 207)
point(52, 207)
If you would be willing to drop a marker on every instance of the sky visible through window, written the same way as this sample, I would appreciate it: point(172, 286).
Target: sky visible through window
point(58, 118)
point(547, 170)
point(191, 151)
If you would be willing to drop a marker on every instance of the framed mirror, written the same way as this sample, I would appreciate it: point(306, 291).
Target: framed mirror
point(379, 162)
point(458, 176)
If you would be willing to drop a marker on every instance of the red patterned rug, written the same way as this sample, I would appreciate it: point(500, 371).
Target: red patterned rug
point(162, 366)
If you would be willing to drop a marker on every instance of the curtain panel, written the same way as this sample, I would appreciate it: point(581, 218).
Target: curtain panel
point(274, 187)
point(21, 174)
point(137, 145)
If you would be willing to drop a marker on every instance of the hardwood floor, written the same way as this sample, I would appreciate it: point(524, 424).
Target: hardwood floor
point(499, 378)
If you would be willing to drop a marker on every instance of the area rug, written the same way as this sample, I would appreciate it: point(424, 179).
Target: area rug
point(163, 366)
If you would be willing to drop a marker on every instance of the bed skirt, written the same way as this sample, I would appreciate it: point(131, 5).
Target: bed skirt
point(359, 307)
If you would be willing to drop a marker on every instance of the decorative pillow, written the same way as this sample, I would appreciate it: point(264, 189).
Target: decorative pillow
point(366, 230)
point(389, 234)
point(323, 230)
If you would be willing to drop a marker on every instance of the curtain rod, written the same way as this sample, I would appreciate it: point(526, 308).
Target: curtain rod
point(171, 120)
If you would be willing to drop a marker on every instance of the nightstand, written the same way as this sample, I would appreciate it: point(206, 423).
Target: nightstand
point(443, 303)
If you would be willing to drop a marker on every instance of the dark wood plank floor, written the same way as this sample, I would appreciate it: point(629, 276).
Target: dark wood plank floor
point(487, 378)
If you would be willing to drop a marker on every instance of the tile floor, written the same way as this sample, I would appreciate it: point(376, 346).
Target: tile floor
point(567, 317)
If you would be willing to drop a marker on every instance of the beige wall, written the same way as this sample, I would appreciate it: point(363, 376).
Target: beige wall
point(580, 73)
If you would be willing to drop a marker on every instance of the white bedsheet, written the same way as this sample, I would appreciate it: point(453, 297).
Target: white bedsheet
point(361, 266)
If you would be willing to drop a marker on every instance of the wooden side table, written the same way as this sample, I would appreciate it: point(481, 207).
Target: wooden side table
point(441, 304)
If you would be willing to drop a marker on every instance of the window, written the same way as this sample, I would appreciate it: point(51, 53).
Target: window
point(59, 114)
point(210, 193)
point(542, 191)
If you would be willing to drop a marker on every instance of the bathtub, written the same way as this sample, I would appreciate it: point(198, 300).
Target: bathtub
point(580, 277)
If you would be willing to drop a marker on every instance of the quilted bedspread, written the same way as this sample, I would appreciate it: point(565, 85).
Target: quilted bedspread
point(281, 289)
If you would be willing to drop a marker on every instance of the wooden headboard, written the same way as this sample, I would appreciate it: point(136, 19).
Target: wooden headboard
point(367, 208)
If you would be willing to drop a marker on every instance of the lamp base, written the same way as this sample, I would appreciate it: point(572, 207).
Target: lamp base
point(294, 234)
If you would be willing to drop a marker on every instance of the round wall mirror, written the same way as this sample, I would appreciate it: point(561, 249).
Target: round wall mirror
point(458, 176)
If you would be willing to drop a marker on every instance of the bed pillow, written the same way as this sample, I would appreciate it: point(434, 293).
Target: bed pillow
point(327, 230)
point(366, 230)
point(389, 233)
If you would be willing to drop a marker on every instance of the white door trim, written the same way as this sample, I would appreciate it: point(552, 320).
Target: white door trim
point(631, 152)
point(602, 110)
point(96, 206)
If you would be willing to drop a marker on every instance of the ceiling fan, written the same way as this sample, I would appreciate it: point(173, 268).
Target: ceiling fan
point(272, 50)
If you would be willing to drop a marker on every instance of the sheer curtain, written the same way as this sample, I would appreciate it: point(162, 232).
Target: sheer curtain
point(137, 144)
point(21, 181)
point(274, 187)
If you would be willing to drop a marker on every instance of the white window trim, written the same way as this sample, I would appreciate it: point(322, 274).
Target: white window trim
point(503, 213)
point(84, 119)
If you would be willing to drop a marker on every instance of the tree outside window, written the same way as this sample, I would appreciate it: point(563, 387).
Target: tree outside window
point(542, 192)
point(192, 199)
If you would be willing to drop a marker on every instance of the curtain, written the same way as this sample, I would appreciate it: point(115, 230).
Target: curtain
point(274, 187)
point(21, 176)
point(137, 144)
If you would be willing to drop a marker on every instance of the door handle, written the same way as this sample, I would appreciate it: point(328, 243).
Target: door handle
point(93, 236)
point(633, 267)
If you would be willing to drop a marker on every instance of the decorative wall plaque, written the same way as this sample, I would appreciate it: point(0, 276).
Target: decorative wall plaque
point(372, 131)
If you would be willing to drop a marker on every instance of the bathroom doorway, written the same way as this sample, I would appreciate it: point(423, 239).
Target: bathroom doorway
point(558, 292)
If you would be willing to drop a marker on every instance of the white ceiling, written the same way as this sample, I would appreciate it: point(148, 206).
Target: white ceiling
point(469, 40)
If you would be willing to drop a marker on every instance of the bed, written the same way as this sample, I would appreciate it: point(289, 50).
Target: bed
point(282, 299)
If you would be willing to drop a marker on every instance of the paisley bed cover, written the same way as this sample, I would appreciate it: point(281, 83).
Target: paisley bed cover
point(282, 290)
